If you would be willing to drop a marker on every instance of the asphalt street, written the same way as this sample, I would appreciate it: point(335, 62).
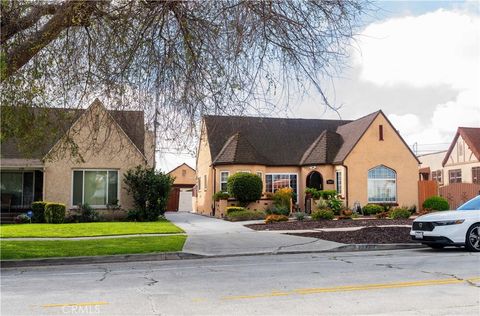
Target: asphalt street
point(401, 282)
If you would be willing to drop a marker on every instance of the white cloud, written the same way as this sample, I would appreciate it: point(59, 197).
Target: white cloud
point(436, 49)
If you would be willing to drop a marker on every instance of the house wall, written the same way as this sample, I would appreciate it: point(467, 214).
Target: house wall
point(461, 158)
point(102, 144)
point(184, 175)
point(391, 152)
point(204, 192)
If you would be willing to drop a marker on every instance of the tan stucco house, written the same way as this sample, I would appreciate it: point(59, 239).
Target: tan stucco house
point(106, 143)
point(181, 195)
point(365, 160)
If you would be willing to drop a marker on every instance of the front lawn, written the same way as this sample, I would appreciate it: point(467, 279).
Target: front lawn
point(91, 247)
point(88, 229)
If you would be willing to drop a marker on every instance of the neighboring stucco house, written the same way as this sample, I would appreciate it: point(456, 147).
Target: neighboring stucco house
point(459, 164)
point(181, 195)
point(107, 143)
point(365, 160)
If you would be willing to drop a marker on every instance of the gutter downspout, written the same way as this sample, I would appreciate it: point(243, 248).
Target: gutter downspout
point(214, 185)
point(346, 185)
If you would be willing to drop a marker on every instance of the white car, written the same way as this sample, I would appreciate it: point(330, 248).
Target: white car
point(450, 228)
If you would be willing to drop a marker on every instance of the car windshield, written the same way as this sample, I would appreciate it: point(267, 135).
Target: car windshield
point(473, 204)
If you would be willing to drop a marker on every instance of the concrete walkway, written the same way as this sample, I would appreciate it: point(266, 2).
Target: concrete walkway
point(211, 236)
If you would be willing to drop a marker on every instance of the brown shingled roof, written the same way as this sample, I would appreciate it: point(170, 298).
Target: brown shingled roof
point(61, 119)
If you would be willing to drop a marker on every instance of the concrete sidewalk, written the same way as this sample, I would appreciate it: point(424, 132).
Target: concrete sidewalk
point(210, 236)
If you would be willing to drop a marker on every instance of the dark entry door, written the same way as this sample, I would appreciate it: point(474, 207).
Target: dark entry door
point(315, 180)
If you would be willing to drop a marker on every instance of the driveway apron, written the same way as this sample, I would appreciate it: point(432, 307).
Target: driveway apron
point(212, 236)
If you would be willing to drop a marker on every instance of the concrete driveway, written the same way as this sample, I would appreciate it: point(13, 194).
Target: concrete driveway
point(211, 236)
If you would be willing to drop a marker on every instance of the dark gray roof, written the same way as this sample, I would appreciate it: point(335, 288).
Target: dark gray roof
point(282, 141)
point(61, 119)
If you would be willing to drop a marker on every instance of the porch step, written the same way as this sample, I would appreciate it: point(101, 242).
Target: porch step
point(8, 218)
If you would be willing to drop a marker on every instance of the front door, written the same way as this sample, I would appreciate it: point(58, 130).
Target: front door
point(315, 180)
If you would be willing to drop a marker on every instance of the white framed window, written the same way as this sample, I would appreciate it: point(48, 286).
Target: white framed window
point(338, 182)
point(382, 185)
point(275, 181)
point(223, 180)
point(98, 188)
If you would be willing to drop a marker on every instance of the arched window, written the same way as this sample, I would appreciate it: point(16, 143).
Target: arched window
point(382, 185)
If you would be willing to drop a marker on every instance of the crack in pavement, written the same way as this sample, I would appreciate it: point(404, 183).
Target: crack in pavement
point(300, 244)
point(340, 259)
point(451, 275)
point(106, 271)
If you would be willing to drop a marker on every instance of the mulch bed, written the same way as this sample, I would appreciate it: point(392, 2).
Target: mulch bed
point(297, 225)
point(367, 235)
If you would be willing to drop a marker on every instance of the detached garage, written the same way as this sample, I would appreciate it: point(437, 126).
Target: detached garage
point(180, 198)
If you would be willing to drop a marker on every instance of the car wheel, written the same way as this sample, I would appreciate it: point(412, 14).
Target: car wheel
point(436, 246)
point(473, 238)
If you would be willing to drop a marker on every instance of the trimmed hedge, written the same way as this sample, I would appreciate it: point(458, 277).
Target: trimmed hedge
point(372, 209)
point(38, 209)
point(245, 187)
point(275, 218)
point(55, 213)
point(436, 203)
point(232, 209)
point(220, 196)
point(245, 215)
point(322, 214)
point(400, 213)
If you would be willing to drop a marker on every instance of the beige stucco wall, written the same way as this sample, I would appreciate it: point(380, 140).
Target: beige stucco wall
point(204, 160)
point(183, 174)
point(391, 152)
point(111, 150)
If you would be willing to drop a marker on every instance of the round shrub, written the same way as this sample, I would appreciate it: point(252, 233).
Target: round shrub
point(275, 218)
point(55, 213)
point(400, 213)
point(38, 209)
point(436, 203)
point(245, 187)
point(372, 209)
point(322, 214)
point(300, 216)
point(22, 219)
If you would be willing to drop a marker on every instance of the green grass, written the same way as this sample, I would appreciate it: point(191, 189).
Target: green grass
point(91, 247)
point(88, 229)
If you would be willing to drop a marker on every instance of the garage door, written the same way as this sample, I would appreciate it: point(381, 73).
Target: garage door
point(185, 200)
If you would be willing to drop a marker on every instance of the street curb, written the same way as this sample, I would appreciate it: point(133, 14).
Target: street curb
point(188, 256)
point(57, 261)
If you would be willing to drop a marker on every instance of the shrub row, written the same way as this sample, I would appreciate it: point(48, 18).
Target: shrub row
point(320, 194)
point(245, 215)
point(48, 212)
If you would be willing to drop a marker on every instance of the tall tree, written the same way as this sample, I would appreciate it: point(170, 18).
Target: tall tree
point(174, 59)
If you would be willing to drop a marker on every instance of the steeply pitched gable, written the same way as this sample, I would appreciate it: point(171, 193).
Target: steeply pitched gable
point(471, 136)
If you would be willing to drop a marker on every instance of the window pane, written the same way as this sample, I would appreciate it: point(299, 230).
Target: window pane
point(382, 185)
point(95, 187)
point(113, 187)
point(27, 188)
point(11, 187)
point(268, 183)
point(77, 187)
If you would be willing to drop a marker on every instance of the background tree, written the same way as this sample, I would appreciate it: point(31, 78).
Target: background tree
point(175, 59)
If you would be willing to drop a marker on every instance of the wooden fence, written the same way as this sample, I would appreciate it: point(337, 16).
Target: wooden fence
point(458, 193)
point(426, 189)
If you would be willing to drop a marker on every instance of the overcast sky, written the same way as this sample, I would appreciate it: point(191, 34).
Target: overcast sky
point(419, 62)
